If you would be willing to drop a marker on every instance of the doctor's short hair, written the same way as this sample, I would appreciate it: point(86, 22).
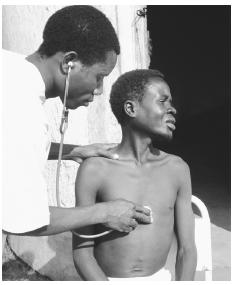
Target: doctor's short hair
point(130, 86)
point(80, 28)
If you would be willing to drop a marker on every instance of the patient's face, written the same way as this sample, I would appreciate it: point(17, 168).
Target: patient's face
point(155, 114)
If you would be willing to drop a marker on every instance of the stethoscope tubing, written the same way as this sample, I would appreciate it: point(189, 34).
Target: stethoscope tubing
point(63, 128)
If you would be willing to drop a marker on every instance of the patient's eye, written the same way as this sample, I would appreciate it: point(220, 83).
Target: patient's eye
point(163, 99)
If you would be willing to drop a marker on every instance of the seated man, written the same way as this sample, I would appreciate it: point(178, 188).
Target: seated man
point(141, 102)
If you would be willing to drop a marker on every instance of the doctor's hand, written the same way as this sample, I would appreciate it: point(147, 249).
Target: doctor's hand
point(80, 153)
point(124, 216)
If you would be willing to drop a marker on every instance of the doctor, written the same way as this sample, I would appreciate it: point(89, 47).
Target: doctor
point(83, 36)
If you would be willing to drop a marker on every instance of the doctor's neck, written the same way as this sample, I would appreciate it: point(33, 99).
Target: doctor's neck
point(47, 67)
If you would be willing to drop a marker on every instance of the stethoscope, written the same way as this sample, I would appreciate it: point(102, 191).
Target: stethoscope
point(63, 128)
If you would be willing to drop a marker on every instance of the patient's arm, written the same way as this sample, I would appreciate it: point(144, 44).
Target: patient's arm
point(186, 259)
point(87, 183)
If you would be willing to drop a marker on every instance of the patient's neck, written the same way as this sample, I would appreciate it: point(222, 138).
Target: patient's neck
point(134, 146)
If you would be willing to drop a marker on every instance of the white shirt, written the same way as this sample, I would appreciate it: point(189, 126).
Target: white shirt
point(26, 144)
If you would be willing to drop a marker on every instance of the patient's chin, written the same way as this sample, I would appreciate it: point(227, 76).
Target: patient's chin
point(164, 137)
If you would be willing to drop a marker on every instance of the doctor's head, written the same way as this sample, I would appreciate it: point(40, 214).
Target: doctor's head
point(83, 35)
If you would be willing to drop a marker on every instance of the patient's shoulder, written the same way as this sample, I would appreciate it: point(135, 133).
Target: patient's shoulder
point(179, 166)
point(90, 175)
point(93, 165)
point(174, 161)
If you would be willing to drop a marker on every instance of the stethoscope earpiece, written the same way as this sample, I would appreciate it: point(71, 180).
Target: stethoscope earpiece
point(70, 64)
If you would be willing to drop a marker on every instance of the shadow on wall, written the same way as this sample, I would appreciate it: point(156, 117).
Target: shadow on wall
point(197, 66)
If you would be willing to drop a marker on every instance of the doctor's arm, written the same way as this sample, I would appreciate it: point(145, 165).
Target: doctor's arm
point(186, 258)
point(80, 153)
point(87, 184)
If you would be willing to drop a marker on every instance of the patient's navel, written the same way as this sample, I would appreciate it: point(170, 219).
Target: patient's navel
point(138, 265)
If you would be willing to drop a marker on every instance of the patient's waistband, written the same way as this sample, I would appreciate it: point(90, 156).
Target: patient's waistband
point(161, 275)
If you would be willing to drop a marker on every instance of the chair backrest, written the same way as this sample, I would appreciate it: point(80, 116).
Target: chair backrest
point(202, 239)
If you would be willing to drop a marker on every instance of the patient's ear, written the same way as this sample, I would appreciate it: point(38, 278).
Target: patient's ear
point(130, 108)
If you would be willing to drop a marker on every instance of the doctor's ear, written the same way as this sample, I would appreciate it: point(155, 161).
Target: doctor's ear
point(130, 108)
point(70, 60)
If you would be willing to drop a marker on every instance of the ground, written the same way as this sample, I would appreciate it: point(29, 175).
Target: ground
point(15, 269)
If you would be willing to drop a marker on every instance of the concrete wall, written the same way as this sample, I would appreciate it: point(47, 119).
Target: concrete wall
point(22, 28)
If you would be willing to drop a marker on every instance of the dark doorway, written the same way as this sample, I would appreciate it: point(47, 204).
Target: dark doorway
point(191, 46)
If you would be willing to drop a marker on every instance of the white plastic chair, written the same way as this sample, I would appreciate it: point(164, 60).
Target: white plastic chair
point(203, 239)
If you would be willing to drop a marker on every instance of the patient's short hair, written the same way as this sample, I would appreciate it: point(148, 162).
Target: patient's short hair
point(130, 86)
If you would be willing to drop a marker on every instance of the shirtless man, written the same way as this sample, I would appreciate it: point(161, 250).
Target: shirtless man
point(141, 102)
